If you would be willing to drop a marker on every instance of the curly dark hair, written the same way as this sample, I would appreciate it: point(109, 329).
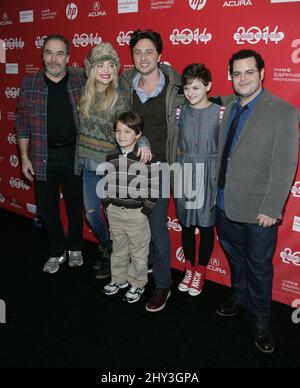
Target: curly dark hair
point(147, 34)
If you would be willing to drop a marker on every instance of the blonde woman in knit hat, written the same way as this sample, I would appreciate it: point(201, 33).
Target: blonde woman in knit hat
point(100, 104)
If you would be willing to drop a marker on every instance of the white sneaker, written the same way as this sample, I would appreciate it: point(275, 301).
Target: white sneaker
point(133, 294)
point(75, 258)
point(52, 265)
point(113, 288)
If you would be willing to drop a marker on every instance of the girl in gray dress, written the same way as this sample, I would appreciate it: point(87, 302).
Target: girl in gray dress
point(196, 173)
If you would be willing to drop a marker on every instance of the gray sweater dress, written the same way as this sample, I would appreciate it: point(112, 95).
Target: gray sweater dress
point(195, 175)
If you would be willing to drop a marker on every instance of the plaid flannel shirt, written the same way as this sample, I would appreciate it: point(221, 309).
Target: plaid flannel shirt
point(32, 116)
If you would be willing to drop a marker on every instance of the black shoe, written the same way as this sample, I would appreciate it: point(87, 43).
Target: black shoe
point(103, 273)
point(104, 270)
point(264, 341)
point(97, 264)
point(105, 253)
point(230, 309)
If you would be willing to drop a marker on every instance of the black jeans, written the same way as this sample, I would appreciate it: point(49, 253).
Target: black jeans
point(60, 176)
point(249, 249)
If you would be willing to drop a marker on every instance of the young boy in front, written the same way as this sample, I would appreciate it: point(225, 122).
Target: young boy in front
point(128, 206)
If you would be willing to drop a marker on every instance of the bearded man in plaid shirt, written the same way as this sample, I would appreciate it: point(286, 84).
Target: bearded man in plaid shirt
point(47, 126)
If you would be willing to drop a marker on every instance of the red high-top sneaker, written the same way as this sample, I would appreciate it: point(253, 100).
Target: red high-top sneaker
point(198, 280)
point(187, 280)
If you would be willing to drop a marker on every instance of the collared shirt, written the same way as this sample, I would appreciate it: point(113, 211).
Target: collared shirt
point(32, 115)
point(155, 92)
point(242, 121)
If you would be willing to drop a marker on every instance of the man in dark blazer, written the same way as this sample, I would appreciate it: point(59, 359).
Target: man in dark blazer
point(258, 154)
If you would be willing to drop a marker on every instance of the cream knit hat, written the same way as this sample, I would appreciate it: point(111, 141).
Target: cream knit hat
point(100, 53)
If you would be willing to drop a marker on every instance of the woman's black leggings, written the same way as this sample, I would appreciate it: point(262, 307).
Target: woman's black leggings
point(189, 244)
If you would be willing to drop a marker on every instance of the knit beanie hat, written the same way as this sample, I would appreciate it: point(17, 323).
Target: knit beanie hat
point(100, 53)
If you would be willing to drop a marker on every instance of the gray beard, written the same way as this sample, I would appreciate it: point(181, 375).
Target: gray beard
point(54, 74)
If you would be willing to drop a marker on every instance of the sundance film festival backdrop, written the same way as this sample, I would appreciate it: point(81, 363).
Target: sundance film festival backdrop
point(206, 31)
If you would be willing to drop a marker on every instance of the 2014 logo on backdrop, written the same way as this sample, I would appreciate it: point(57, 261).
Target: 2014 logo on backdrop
point(124, 38)
point(11, 138)
point(187, 36)
point(197, 5)
point(39, 41)
point(296, 53)
point(18, 183)
point(254, 35)
point(85, 39)
point(71, 11)
point(289, 257)
point(174, 224)
point(12, 92)
point(12, 43)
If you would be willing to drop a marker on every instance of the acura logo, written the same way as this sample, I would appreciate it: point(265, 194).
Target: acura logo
point(215, 262)
point(96, 6)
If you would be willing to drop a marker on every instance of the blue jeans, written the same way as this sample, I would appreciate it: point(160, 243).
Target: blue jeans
point(93, 206)
point(249, 249)
point(160, 252)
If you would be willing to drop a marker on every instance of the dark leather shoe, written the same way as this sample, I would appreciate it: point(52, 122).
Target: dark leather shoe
point(230, 309)
point(264, 341)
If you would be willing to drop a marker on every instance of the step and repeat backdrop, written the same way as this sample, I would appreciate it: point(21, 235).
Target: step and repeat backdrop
point(206, 31)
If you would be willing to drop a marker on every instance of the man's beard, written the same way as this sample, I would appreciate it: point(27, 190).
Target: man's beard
point(54, 73)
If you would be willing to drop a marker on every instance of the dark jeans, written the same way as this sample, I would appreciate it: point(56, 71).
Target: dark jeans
point(249, 249)
point(93, 205)
point(205, 247)
point(60, 174)
point(160, 251)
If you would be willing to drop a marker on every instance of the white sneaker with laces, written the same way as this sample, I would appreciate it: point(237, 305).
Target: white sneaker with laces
point(197, 284)
point(188, 277)
point(113, 287)
point(133, 294)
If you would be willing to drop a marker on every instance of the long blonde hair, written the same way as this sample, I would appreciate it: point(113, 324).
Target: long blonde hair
point(87, 99)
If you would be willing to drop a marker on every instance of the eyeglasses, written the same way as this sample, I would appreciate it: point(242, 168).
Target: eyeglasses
point(246, 74)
